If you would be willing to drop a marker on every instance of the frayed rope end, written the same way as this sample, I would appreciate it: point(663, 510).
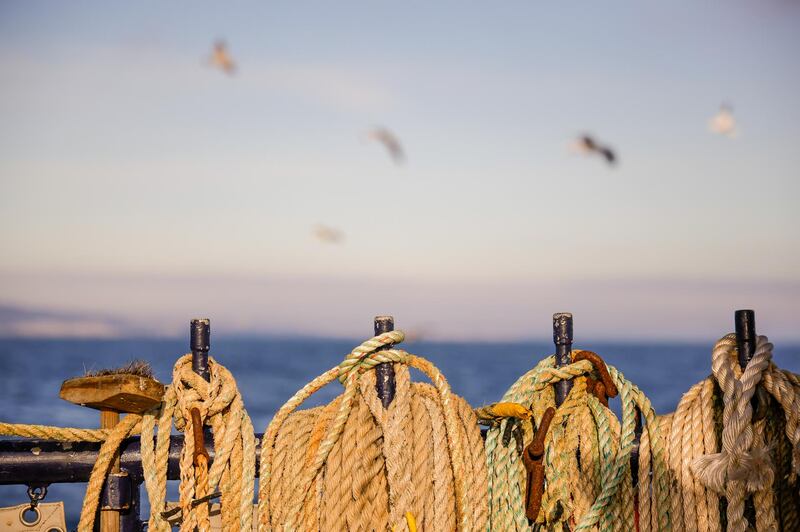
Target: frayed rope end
point(754, 468)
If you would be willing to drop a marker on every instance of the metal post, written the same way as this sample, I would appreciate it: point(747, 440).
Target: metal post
point(637, 438)
point(562, 337)
point(384, 373)
point(745, 335)
point(745, 326)
point(200, 343)
point(745, 322)
point(130, 520)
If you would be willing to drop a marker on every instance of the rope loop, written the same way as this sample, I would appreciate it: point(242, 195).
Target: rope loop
point(754, 457)
point(353, 464)
point(211, 397)
point(232, 473)
point(366, 356)
point(586, 455)
point(741, 457)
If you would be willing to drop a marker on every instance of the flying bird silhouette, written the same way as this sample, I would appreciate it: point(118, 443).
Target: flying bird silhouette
point(723, 123)
point(587, 145)
point(221, 59)
point(389, 141)
point(329, 235)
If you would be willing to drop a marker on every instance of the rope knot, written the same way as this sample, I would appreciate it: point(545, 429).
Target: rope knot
point(192, 403)
point(192, 391)
point(371, 353)
point(742, 458)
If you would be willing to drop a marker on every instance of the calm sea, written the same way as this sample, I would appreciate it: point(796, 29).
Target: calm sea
point(269, 371)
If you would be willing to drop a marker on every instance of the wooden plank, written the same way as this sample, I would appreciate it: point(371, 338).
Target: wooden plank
point(121, 393)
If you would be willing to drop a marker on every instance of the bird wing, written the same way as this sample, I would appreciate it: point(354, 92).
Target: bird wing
point(390, 142)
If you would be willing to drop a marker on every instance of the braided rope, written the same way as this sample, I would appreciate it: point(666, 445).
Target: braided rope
point(757, 459)
point(365, 461)
point(738, 459)
point(101, 469)
point(47, 432)
point(233, 470)
point(598, 492)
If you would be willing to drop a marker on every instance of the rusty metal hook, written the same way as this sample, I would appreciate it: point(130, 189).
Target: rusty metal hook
point(605, 387)
point(199, 439)
point(532, 458)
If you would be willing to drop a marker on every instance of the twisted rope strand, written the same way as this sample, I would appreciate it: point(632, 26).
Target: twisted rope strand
point(384, 485)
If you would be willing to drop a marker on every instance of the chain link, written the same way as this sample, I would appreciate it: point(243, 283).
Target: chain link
point(36, 494)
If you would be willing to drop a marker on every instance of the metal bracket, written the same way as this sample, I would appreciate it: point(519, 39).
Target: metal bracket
point(117, 492)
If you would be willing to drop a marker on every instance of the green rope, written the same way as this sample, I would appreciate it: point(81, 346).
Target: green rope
point(507, 475)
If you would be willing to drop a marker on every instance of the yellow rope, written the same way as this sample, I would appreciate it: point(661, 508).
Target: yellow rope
point(412, 523)
point(495, 412)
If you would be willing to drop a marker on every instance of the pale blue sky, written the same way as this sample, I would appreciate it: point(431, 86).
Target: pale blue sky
point(123, 156)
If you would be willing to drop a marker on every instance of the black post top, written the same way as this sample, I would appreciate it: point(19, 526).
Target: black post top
point(383, 324)
point(562, 337)
point(745, 322)
point(562, 328)
point(200, 344)
point(384, 373)
point(200, 334)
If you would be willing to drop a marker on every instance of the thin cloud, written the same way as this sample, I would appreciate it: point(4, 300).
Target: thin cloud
point(75, 77)
point(622, 309)
point(337, 86)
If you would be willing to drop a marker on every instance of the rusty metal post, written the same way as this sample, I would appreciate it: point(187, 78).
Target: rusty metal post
point(562, 338)
point(384, 373)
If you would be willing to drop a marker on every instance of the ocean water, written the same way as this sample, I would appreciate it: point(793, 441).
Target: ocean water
point(269, 371)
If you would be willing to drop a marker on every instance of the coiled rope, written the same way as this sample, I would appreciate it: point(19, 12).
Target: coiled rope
point(356, 465)
point(748, 458)
point(232, 472)
point(587, 459)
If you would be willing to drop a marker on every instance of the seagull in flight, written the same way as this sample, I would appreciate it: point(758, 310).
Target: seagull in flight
point(588, 145)
point(221, 59)
point(327, 234)
point(389, 141)
point(723, 123)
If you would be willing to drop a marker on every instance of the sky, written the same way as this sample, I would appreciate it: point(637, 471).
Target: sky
point(140, 187)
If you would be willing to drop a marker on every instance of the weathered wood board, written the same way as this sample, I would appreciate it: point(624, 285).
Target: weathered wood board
point(124, 393)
